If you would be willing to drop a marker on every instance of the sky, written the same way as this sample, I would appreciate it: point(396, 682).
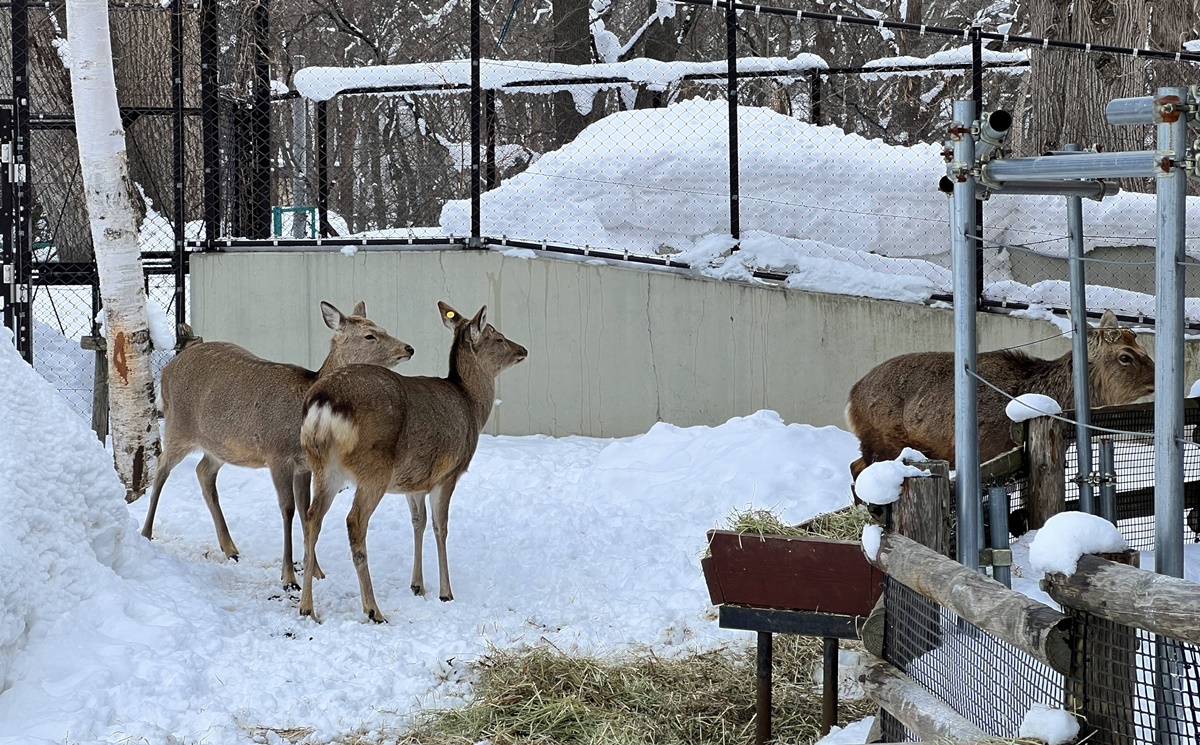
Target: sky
point(591, 545)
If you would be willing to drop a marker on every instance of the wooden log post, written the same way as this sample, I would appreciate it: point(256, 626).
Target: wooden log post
point(98, 345)
point(989, 605)
point(1103, 682)
point(925, 509)
point(1047, 451)
point(925, 715)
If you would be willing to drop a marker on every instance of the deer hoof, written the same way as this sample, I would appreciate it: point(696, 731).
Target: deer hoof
point(418, 590)
point(309, 613)
point(445, 598)
point(376, 616)
point(291, 587)
point(234, 557)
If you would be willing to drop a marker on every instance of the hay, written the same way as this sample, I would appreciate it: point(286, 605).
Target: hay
point(540, 695)
point(843, 525)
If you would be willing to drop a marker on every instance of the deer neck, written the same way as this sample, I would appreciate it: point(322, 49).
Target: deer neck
point(476, 383)
point(333, 361)
point(1054, 378)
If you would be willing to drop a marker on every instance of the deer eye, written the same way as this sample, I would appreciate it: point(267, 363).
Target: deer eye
point(370, 337)
point(1125, 358)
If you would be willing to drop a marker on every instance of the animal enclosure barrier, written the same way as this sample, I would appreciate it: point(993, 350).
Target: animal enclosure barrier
point(221, 141)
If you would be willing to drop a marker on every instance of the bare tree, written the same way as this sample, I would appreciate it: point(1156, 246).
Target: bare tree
point(106, 182)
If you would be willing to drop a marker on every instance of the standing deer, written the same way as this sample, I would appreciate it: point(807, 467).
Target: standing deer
point(244, 410)
point(392, 433)
point(908, 401)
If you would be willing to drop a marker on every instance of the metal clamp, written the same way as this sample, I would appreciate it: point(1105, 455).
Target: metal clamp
point(995, 557)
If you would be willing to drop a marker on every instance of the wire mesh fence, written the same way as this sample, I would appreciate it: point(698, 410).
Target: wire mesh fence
point(607, 130)
point(991, 684)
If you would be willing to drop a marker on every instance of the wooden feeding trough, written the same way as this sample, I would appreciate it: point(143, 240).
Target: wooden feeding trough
point(793, 585)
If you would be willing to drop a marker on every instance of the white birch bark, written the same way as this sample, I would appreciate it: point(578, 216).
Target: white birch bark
point(106, 182)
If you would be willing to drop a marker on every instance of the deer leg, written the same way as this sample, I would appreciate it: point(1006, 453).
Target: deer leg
point(170, 458)
point(206, 471)
point(416, 509)
point(324, 492)
point(301, 489)
point(366, 499)
point(282, 477)
point(439, 504)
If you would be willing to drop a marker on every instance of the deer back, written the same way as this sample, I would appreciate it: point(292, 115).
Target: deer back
point(248, 411)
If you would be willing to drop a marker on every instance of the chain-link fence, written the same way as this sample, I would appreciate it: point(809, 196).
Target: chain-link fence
point(593, 129)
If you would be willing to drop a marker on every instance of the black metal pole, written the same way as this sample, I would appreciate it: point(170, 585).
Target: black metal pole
point(829, 685)
point(762, 705)
point(177, 131)
point(260, 226)
point(735, 217)
point(491, 177)
point(210, 122)
point(7, 228)
point(977, 96)
point(476, 239)
point(322, 139)
point(814, 97)
point(23, 197)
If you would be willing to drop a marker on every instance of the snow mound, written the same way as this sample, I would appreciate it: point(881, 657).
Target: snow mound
point(1051, 726)
point(1069, 535)
point(1031, 405)
point(63, 520)
point(880, 482)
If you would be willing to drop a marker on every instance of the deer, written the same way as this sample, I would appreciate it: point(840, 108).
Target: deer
point(390, 433)
point(241, 409)
point(908, 401)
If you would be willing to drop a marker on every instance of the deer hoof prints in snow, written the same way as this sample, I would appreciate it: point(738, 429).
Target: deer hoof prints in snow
point(908, 401)
point(390, 433)
point(241, 409)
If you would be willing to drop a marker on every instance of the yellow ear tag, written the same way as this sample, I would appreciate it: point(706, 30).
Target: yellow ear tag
point(449, 314)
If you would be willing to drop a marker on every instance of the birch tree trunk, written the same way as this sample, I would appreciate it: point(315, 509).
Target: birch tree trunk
point(106, 183)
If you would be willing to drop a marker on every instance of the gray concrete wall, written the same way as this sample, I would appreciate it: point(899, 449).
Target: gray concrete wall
point(613, 349)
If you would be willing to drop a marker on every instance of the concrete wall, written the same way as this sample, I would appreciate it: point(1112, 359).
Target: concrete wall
point(613, 349)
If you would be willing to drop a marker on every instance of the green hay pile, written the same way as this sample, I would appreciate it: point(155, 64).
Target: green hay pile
point(543, 696)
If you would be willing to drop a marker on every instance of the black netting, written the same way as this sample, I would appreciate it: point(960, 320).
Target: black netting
point(1132, 687)
point(989, 682)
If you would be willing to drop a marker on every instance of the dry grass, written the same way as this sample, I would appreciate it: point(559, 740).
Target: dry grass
point(843, 525)
point(543, 696)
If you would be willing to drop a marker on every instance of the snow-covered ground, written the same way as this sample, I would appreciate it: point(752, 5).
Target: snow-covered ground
point(590, 544)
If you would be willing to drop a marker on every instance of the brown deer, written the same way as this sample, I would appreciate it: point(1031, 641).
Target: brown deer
point(908, 401)
point(244, 410)
point(390, 433)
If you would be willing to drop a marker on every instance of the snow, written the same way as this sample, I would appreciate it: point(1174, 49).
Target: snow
point(851, 734)
point(1069, 535)
point(1051, 726)
point(880, 482)
point(1031, 405)
point(872, 535)
point(1194, 391)
point(591, 545)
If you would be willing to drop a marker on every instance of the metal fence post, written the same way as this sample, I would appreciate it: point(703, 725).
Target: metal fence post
point(299, 157)
point(260, 122)
point(177, 162)
point(476, 238)
point(210, 125)
point(977, 96)
point(22, 195)
point(963, 257)
point(322, 138)
point(735, 216)
point(1079, 347)
point(814, 97)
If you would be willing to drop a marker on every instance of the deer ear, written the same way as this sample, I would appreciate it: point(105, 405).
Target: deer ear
point(333, 317)
point(1108, 320)
point(360, 309)
point(451, 318)
point(477, 324)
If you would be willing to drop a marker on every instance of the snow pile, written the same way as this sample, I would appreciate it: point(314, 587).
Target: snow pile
point(880, 482)
point(796, 470)
point(63, 521)
point(639, 180)
point(852, 734)
point(1030, 406)
point(1069, 535)
point(1051, 726)
point(1194, 391)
